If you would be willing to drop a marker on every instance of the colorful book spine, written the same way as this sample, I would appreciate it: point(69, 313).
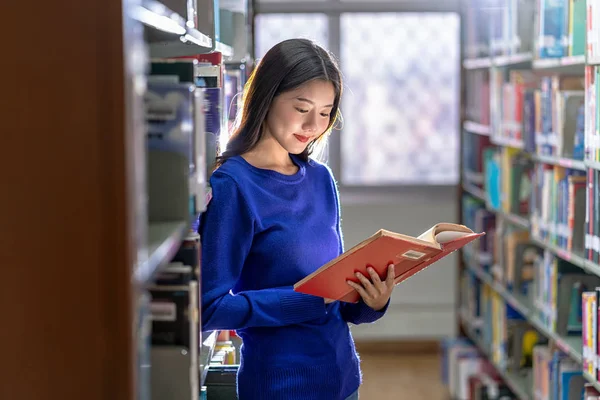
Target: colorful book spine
point(553, 29)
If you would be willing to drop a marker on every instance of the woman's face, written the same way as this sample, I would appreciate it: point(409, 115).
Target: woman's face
point(299, 116)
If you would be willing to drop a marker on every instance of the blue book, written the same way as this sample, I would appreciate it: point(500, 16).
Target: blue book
point(552, 28)
point(571, 382)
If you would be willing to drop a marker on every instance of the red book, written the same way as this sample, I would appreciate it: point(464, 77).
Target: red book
point(408, 254)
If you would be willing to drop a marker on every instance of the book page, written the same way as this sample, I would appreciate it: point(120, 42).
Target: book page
point(445, 232)
point(448, 236)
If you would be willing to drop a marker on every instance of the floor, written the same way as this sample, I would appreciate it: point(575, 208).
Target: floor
point(398, 375)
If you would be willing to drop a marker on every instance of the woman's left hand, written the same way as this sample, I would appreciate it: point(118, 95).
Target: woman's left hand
point(375, 292)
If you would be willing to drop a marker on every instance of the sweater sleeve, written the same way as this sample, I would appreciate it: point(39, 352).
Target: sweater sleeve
point(226, 230)
point(355, 313)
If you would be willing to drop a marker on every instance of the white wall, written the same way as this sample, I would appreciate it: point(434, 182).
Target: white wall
point(423, 307)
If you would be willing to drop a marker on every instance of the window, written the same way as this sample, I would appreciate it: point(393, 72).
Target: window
point(401, 89)
point(401, 107)
point(274, 28)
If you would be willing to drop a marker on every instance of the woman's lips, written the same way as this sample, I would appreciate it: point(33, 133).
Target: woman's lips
point(301, 138)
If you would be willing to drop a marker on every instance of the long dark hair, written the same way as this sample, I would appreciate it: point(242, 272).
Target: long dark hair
point(286, 66)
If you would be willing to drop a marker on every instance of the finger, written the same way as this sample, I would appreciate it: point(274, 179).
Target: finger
point(369, 288)
point(359, 289)
point(374, 277)
point(391, 274)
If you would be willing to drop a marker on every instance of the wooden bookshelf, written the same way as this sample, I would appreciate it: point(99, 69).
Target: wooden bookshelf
point(67, 234)
point(76, 241)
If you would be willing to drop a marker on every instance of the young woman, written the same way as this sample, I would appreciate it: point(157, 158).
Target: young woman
point(275, 218)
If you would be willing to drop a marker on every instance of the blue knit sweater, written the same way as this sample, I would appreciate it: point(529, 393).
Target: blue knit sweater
point(262, 232)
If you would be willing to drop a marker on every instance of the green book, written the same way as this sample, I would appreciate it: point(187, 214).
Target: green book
point(578, 40)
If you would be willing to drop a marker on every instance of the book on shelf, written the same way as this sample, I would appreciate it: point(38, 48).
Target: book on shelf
point(476, 34)
point(492, 178)
point(590, 309)
point(409, 255)
point(463, 361)
point(173, 73)
point(558, 294)
point(477, 101)
point(513, 91)
point(558, 206)
point(590, 76)
point(592, 32)
point(517, 270)
point(174, 299)
point(561, 114)
point(592, 218)
point(577, 27)
point(469, 375)
point(555, 376)
point(476, 214)
point(589, 332)
point(472, 154)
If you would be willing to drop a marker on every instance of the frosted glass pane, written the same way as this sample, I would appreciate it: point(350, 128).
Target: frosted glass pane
point(401, 101)
point(271, 29)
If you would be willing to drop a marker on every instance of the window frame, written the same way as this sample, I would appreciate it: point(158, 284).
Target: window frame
point(333, 9)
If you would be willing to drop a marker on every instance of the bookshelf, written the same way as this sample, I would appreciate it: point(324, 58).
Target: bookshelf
point(539, 191)
point(98, 211)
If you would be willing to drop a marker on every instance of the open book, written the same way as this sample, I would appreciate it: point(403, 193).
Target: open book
point(409, 255)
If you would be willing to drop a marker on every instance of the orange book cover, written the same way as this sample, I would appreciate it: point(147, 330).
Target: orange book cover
point(409, 255)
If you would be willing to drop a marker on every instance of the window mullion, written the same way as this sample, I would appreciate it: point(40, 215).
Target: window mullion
point(334, 154)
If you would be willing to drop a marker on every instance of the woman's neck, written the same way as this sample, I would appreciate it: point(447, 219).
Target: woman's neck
point(268, 154)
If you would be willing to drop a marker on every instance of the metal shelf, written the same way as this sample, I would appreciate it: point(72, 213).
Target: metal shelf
point(593, 61)
point(498, 61)
point(474, 191)
point(565, 64)
point(477, 128)
point(477, 63)
point(226, 50)
point(591, 380)
point(164, 239)
point(592, 164)
point(560, 161)
point(566, 255)
point(156, 15)
point(508, 142)
point(512, 59)
point(513, 219)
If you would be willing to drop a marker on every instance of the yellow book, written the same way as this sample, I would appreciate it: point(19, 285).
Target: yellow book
point(571, 25)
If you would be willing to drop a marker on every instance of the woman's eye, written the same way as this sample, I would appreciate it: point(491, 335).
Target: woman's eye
point(301, 110)
point(324, 115)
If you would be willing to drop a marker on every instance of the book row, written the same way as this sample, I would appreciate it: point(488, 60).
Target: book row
point(545, 284)
point(559, 28)
point(468, 375)
point(519, 351)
